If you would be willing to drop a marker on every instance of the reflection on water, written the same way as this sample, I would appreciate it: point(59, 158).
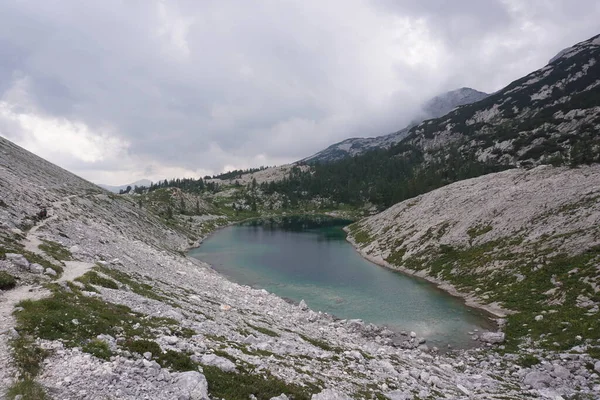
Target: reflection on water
point(308, 258)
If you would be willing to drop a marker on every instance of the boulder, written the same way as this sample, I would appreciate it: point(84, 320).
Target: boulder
point(492, 337)
point(36, 269)
point(537, 379)
point(220, 362)
point(303, 306)
point(399, 395)
point(50, 272)
point(18, 260)
point(280, 397)
point(330, 394)
point(194, 384)
point(597, 367)
point(561, 372)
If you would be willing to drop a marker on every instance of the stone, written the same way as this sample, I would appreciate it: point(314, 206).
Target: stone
point(147, 355)
point(539, 317)
point(18, 260)
point(36, 268)
point(50, 272)
point(597, 367)
point(303, 306)
point(413, 335)
point(225, 307)
point(194, 384)
point(398, 395)
point(220, 362)
point(282, 396)
point(561, 372)
point(492, 337)
point(171, 340)
point(537, 379)
point(74, 249)
point(330, 394)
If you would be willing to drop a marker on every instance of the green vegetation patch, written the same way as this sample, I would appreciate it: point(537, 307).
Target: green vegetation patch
point(525, 285)
point(98, 348)
point(321, 344)
point(362, 237)
point(7, 281)
point(56, 250)
point(142, 289)
point(478, 231)
point(239, 386)
point(36, 258)
point(92, 277)
point(76, 319)
point(396, 256)
point(265, 331)
point(28, 359)
point(528, 361)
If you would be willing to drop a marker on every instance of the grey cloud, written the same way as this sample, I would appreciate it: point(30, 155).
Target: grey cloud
point(209, 84)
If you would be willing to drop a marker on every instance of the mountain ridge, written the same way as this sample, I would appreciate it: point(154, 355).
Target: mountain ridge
point(433, 108)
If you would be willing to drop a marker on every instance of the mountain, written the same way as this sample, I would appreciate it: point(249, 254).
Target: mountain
point(117, 189)
point(551, 116)
point(444, 103)
point(433, 108)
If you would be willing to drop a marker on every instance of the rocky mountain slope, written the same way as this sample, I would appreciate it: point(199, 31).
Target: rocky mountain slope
point(433, 108)
point(125, 314)
point(521, 244)
point(446, 102)
point(549, 116)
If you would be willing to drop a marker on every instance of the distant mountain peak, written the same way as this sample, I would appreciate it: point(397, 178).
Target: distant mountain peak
point(433, 108)
point(444, 103)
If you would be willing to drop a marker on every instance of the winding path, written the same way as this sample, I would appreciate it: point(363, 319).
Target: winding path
point(9, 299)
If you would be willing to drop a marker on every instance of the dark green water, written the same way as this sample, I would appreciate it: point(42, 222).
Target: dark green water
point(300, 258)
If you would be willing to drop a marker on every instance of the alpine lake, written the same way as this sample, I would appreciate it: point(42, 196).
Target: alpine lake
point(308, 258)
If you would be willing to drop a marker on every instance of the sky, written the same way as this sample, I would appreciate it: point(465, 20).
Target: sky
point(120, 90)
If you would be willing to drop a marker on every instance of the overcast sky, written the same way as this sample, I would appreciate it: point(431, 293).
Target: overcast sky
point(117, 91)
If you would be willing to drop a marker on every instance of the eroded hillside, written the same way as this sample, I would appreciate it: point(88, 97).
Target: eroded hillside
point(520, 241)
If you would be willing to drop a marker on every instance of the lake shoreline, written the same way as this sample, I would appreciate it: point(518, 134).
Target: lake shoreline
point(223, 268)
point(494, 312)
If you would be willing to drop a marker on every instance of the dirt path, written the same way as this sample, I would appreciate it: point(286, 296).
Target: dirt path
point(32, 241)
point(9, 299)
point(74, 269)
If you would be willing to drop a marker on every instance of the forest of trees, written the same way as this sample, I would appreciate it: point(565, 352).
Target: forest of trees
point(379, 177)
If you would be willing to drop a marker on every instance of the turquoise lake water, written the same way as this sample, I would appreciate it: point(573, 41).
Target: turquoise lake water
point(300, 258)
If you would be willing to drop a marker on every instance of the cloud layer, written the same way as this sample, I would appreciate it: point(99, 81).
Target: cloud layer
point(116, 91)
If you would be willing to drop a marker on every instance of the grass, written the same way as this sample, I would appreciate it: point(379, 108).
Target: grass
point(262, 330)
point(92, 278)
point(528, 361)
point(76, 319)
point(467, 269)
point(239, 386)
point(36, 258)
point(360, 236)
point(227, 385)
point(142, 289)
point(321, 344)
point(97, 348)
point(142, 346)
point(7, 281)
point(56, 250)
point(27, 358)
point(478, 231)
